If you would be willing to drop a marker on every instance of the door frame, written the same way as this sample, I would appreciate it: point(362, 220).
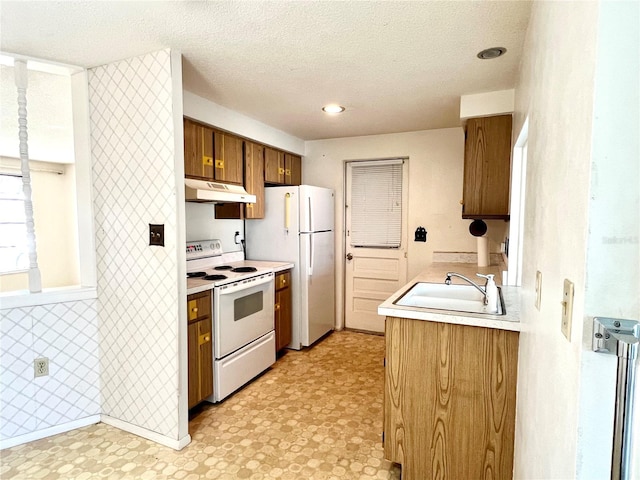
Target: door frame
point(518, 191)
point(404, 236)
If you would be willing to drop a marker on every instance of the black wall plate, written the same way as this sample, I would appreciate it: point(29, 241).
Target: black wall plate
point(156, 235)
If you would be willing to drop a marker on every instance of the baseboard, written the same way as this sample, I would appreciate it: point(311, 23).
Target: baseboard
point(178, 444)
point(49, 432)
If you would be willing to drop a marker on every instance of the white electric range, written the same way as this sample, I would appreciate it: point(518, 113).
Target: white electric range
point(243, 315)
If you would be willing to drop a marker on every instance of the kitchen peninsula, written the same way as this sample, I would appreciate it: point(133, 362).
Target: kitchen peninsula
point(450, 385)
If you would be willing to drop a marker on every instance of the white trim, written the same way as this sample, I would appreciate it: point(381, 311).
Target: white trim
point(181, 314)
point(48, 432)
point(23, 298)
point(86, 246)
point(38, 64)
point(516, 222)
point(377, 163)
point(176, 444)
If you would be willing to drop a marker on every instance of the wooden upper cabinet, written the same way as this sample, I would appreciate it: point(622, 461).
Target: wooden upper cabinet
point(254, 178)
point(274, 171)
point(292, 169)
point(198, 150)
point(212, 155)
point(487, 166)
point(228, 158)
point(282, 168)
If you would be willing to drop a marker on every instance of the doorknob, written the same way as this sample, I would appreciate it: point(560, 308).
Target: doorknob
point(349, 256)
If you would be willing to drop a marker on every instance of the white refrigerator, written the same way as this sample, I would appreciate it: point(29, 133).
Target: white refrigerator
point(298, 227)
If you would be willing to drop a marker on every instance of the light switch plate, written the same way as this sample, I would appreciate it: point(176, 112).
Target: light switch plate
point(567, 308)
point(156, 234)
point(538, 289)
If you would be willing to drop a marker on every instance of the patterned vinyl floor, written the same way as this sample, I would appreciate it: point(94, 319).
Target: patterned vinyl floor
point(316, 414)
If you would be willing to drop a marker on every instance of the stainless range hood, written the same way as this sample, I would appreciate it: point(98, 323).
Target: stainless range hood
point(203, 191)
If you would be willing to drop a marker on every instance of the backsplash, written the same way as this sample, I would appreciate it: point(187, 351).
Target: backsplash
point(132, 146)
point(202, 225)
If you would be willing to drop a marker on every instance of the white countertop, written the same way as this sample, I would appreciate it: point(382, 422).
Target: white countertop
point(436, 274)
point(196, 285)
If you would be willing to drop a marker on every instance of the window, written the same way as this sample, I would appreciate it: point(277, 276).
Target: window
point(376, 204)
point(13, 230)
point(59, 153)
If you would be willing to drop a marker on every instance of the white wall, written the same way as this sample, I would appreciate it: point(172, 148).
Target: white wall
point(555, 91)
point(69, 397)
point(202, 225)
point(139, 287)
point(436, 161)
point(206, 111)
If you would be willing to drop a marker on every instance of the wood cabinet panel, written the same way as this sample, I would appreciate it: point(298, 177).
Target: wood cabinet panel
point(200, 347)
point(228, 158)
point(283, 310)
point(487, 167)
point(274, 171)
point(198, 150)
point(292, 169)
point(449, 400)
point(254, 178)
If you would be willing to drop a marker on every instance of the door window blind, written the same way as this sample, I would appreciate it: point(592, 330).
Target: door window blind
point(376, 204)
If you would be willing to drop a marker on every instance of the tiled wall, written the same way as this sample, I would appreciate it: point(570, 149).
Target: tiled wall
point(132, 144)
point(65, 333)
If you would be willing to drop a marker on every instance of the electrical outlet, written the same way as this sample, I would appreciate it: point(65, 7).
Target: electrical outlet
point(567, 308)
point(41, 367)
point(156, 235)
point(538, 289)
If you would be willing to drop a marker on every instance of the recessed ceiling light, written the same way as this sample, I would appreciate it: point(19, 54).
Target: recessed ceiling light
point(333, 108)
point(493, 52)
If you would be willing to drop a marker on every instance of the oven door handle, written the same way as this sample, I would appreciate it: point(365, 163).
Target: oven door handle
point(242, 285)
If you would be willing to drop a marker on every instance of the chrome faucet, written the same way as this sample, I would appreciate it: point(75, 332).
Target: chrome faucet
point(471, 282)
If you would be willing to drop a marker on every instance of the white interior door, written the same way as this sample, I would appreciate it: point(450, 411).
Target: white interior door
point(375, 267)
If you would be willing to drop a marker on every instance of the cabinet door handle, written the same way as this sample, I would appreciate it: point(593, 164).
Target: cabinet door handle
point(276, 307)
point(204, 338)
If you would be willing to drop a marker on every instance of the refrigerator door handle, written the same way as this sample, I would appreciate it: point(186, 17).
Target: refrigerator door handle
point(287, 210)
point(310, 255)
point(310, 227)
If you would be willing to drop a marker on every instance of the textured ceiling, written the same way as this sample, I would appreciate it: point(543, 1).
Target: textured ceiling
point(396, 66)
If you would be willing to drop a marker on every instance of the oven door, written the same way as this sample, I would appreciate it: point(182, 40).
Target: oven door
point(243, 311)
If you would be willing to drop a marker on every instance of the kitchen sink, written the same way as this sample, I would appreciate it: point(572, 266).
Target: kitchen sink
point(457, 298)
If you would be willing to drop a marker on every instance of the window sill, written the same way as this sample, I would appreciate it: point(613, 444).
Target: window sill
point(23, 298)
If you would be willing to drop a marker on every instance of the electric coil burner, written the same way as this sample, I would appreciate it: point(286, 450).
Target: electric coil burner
point(215, 277)
point(244, 269)
point(223, 267)
point(196, 274)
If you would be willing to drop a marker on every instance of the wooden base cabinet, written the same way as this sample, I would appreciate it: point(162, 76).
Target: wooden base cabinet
point(449, 400)
point(282, 308)
point(200, 347)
